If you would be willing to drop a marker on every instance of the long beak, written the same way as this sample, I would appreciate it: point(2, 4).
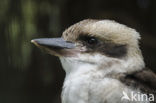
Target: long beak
point(55, 46)
point(59, 43)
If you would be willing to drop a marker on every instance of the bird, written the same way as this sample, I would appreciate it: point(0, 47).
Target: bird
point(103, 63)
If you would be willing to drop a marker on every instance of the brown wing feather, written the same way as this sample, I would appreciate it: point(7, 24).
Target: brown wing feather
point(146, 76)
point(145, 80)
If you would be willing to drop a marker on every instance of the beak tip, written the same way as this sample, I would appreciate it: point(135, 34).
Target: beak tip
point(32, 41)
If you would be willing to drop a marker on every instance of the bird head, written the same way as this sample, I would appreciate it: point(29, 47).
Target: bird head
point(102, 44)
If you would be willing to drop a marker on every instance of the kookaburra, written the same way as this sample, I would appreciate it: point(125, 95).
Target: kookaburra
point(103, 63)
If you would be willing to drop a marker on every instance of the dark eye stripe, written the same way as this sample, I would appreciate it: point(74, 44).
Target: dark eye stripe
point(107, 48)
point(114, 50)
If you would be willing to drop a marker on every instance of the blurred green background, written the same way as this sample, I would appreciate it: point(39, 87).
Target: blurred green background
point(27, 75)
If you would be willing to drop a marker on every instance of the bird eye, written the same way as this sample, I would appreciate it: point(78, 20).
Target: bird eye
point(91, 40)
